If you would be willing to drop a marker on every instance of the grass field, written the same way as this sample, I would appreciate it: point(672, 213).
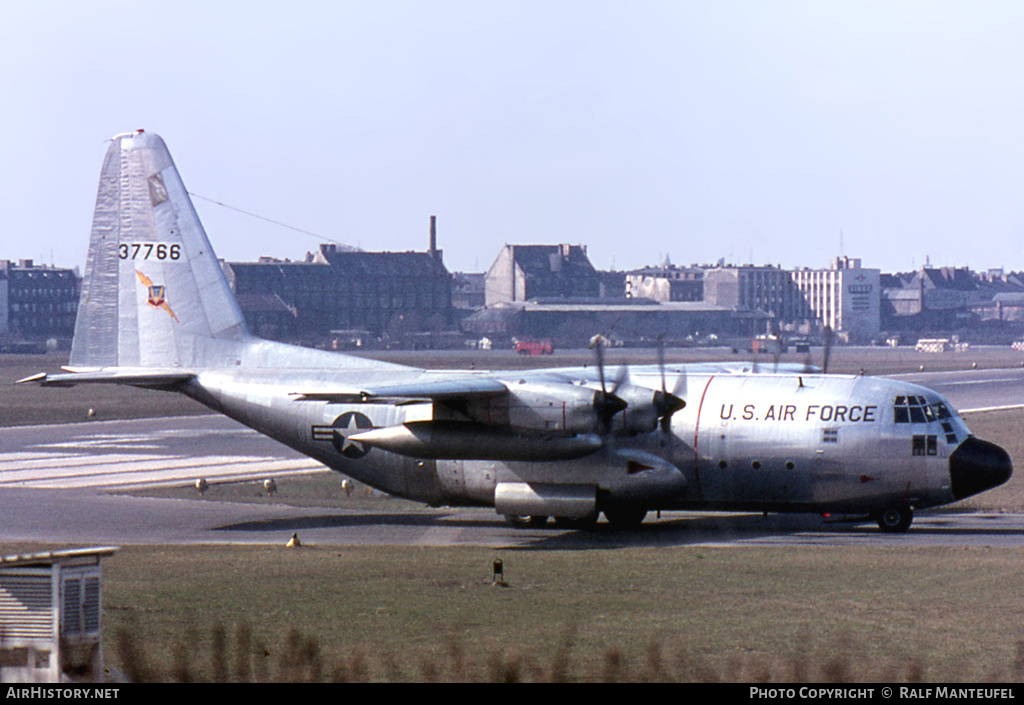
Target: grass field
point(681, 614)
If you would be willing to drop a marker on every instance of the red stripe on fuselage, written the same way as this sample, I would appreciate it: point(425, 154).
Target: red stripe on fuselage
point(696, 434)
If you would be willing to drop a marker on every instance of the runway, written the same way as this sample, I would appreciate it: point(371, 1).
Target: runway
point(971, 391)
point(69, 483)
point(128, 455)
point(89, 517)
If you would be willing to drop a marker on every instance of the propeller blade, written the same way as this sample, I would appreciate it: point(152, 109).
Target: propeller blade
point(605, 407)
point(620, 379)
point(599, 351)
point(680, 387)
point(808, 365)
point(661, 360)
point(606, 404)
point(828, 349)
point(666, 403)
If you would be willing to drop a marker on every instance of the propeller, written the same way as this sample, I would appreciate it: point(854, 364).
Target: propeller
point(666, 403)
point(607, 404)
point(828, 349)
point(827, 336)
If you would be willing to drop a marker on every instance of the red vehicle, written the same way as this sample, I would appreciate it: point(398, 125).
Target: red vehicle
point(534, 347)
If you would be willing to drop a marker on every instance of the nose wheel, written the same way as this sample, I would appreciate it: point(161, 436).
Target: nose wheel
point(894, 520)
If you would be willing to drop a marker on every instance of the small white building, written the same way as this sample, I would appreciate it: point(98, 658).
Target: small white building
point(50, 608)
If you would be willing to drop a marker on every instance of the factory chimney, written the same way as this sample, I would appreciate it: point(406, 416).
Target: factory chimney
point(433, 251)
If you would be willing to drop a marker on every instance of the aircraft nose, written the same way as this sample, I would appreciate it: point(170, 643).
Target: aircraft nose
point(978, 465)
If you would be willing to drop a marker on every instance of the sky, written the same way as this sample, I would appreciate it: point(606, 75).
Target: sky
point(762, 132)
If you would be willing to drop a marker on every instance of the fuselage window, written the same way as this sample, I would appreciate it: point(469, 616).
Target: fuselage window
point(914, 409)
point(830, 435)
point(925, 445)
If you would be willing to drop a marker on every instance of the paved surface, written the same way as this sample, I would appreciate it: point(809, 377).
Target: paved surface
point(970, 390)
point(141, 453)
point(84, 516)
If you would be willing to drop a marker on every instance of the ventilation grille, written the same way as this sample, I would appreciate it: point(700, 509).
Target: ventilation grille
point(26, 607)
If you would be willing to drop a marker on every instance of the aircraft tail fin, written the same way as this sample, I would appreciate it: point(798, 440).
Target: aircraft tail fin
point(154, 293)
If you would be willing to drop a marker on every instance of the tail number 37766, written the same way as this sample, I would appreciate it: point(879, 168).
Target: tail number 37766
point(149, 250)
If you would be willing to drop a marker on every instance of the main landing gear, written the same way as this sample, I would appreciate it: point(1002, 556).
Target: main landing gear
point(894, 520)
point(618, 518)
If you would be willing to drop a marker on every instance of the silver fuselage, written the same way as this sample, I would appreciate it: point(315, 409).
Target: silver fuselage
point(771, 442)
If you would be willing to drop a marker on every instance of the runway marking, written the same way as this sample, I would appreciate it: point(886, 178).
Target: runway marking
point(991, 408)
point(135, 460)
point(64, 460)
point(29, 457)
point(137, 477)
point(980, 381)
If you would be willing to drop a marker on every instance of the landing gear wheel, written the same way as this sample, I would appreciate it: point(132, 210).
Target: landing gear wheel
point(520, 521)
point(579, 523)
point(894, 520)
point(625, 517)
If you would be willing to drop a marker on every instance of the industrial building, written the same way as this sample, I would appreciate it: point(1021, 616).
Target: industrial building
point(38, 303)
point(523, 273)
point(391, 294)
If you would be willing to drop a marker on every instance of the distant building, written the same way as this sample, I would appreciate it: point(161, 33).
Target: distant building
point(468, 290)
point(933, 298)
point(846, 297)
point(763, 288)
point(37, 302)
point(526, 272)
point(573, 323)
point(666, 283)
point(4, 308)
point(344, 294)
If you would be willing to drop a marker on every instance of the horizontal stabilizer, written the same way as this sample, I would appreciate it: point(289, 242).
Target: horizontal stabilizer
point(133, 376)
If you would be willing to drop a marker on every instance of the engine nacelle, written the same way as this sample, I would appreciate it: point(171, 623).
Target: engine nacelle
point(645, 408)
point(460, 440)
point(640, 414)
point(550, 406)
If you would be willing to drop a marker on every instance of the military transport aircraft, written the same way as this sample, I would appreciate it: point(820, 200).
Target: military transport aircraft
point(568, 443)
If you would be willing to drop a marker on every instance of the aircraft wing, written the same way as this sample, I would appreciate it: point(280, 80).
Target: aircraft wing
point(441, 390)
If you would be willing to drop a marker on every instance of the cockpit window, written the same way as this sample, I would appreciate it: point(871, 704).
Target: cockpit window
point(914, 409)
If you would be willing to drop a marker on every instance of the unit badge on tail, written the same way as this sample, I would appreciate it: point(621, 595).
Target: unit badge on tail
point(157, 294)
